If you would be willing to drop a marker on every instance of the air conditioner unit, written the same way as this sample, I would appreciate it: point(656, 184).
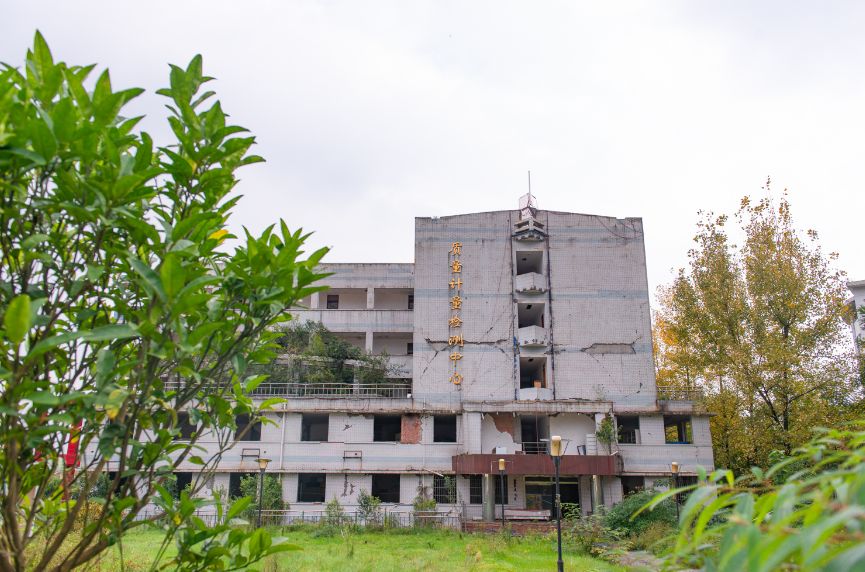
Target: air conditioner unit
point(501, 451)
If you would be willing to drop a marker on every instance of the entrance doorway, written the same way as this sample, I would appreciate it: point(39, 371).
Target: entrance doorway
point(540, 491)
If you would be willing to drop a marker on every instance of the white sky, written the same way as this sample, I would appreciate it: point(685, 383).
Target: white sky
point(372, 113)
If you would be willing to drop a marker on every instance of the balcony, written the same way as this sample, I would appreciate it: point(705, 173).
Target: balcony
point(394, 390)
point(360, 320)
point(671, 393)
point(530, 283)
point(532, 336)
point(535, 394)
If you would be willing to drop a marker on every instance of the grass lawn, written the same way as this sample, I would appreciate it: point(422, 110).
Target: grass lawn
point(390, 551)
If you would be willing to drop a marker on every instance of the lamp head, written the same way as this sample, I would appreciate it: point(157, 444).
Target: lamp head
point(501, 464)
point(262, 463)
point(555, 446)
point(674, 468)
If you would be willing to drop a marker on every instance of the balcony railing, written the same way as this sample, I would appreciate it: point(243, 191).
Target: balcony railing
point(671, 393)
point(535, 447)
point(395, 390)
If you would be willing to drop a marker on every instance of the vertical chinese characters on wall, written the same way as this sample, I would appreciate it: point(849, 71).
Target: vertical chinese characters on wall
point(455, 321)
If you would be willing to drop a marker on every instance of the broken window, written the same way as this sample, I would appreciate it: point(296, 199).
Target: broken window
point(629, 429)
point(247, 431)
point(445, 428)
point(530, 315)
point(632, 484)
point(386, 428)
point(535, 434)
point(333, 301)
point(498, 479)
point(530, 261)
point(187, 428)
point(234, 484)
point(677, 429)
point(476, 489)
point(533, 372)
point(313, 427)
point(411, 301)
point(445, 489)
point(386, 487)
point(310, 487)
point(181, 482)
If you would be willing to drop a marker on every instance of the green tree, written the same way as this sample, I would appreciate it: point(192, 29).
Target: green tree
point(272, 495)
point(760, 328)
point(122, 305)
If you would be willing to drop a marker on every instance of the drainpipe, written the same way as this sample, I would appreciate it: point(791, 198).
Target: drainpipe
point(282, 443)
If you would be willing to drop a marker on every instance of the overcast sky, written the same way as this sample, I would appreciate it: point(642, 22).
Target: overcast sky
point(372, 113)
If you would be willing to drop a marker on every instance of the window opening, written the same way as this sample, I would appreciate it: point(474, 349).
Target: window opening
point(445, 489)
point(333, 301)
point(386, 487)
point(310, 487)
point(445, 428)
point(234, 483)
point(632, 484)
point(411, 301)
point(476, 489)
point(629, 427)
point(386, 428)
point(529, 262)
point(677, 429)
point(313, 427)
point(244, 434)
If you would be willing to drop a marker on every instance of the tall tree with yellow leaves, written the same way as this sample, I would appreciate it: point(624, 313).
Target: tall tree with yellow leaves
point(760, 328)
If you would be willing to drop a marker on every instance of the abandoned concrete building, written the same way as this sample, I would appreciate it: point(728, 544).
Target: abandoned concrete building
point(509, 327)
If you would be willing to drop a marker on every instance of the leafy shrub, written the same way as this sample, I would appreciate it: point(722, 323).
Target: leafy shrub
point(814, 520)
point(589, 535)
point(272, 494)
point(658, 537)
point(334, 514)
point(368, 508)
point(621, 516)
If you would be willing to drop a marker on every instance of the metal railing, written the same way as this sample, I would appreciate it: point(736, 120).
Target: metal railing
point(672, 393)
point(535, 447)
point(386, 517)
point(394, 390)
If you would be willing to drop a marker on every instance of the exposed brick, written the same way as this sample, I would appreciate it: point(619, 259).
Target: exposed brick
point(411, 429)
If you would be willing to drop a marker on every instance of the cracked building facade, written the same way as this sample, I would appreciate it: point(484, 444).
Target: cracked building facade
point(510, 327)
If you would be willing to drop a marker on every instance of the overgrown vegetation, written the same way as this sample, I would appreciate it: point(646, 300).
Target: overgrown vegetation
point(814, 519)
point(310, 353)
point(271, 494)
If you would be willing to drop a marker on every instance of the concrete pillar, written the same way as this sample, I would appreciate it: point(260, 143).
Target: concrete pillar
point(315, 301)
point(370, 298)
point(368, 345)
point(489, 498)
point(597, 493)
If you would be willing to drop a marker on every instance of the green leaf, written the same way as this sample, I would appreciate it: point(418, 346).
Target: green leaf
point(152, 282)
point(112, 332)
point(17, 318)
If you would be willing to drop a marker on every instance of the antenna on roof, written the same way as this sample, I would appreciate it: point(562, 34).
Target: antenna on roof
point(530, 182)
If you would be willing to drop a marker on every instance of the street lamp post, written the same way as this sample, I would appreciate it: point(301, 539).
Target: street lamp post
point(556, 454)
point(674, 469)
point(502, 485)
point(262, 466)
